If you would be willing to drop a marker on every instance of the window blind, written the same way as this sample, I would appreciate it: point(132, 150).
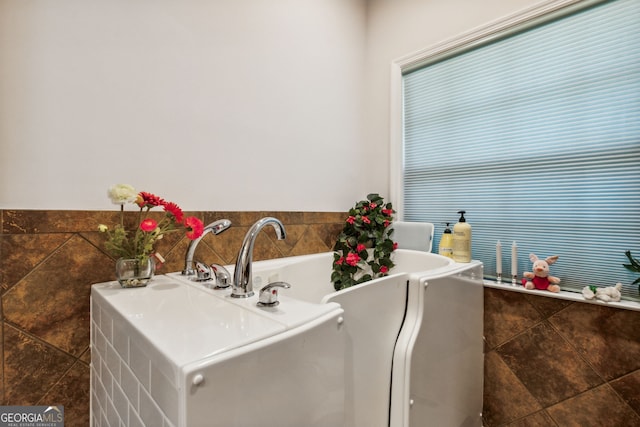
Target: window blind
point(537, 137)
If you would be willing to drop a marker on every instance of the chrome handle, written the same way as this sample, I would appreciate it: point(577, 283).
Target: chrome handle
point(269, 294)
point(222, 276)
point(203, 272)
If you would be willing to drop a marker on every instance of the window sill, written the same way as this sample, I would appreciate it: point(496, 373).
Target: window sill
point(565, 295)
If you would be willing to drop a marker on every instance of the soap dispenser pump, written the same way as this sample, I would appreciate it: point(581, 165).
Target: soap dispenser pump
point(446, 243)
point(462, 239)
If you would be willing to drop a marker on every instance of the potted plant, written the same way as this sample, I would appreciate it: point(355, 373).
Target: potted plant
point(634, 265)
point(363, 249)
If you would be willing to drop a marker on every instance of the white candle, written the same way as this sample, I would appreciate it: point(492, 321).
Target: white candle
point(514, 260)
point(498, 258)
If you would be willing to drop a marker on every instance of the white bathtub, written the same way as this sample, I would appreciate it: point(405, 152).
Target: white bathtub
point(409, 336)
point(402, 350)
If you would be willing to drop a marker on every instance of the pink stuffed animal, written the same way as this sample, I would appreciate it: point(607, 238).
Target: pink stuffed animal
point(540, 278)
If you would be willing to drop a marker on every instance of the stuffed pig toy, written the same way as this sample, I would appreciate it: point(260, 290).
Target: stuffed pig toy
point(540, 278)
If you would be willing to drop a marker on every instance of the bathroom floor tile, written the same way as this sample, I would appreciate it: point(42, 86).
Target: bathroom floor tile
point(608, 338)
point(506, 314)
point(600, 407)
point(547, 366)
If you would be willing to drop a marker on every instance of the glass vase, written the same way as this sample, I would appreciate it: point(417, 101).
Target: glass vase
point(133, 272)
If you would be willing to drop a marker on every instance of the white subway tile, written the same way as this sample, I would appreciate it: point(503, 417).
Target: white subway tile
point(130, 385)
point(164, 394)
point(150, 414)
point(139, 363)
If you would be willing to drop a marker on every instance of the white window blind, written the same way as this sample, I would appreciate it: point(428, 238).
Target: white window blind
point(537, 137)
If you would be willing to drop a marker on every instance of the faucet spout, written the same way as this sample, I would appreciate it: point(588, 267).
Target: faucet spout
point(242, 280)
point(216, 227)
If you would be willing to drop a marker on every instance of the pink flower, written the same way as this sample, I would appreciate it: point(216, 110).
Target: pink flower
point(366, 220)
point(340, 261)
point(386, 223)
point(360, 247)
point(353, 259)
point(194, 227)
point(395, 245)
point(174, 210)
point(373, 205)
point(384, 269)
point(149, 200)
point(387, 212)
point(351, 219)
point(148, 225)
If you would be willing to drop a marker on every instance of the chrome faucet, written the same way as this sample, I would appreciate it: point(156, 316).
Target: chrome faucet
point(242, 281)
point(216, 227)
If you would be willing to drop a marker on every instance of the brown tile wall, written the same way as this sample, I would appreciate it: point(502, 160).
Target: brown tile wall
point(48, 261)
point(548, 362)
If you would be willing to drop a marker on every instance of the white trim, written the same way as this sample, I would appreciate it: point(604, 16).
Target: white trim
point(565, 295)
point(525, 18)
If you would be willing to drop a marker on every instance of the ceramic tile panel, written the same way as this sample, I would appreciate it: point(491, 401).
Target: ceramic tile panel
point(58, 245)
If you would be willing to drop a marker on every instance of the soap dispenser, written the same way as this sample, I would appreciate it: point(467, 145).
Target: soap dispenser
point(462, 240)
point(446, 243)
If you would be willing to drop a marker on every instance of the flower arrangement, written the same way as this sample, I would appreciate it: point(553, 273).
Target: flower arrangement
point(363, 249)
point(138, 243)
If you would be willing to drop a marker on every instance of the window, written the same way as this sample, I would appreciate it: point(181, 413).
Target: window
point(536, 134)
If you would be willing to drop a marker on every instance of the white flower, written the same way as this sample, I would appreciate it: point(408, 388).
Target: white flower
point(102, 228)
point(122, 193)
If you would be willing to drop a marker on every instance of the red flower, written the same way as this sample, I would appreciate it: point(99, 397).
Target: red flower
point(340, 261)
point(360, 247)
point(149, 200)
point(148, 225)
point(353, 259)
point(387, 212)
point(194, 227)
point(395, 245)
point(384, 269)
point(386, 223)
point(351, 219)
point(366, 220)
point(174, 210)
point(373, 205)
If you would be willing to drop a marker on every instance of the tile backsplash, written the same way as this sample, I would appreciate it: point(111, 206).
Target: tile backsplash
point(548, 362)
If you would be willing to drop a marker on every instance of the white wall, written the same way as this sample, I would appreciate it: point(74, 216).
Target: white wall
point(216, 105)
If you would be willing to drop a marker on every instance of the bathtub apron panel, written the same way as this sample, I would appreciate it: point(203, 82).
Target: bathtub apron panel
point(374, 313)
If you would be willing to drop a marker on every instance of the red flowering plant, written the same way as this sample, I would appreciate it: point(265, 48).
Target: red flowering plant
point(363, 249)
point(138, 243)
